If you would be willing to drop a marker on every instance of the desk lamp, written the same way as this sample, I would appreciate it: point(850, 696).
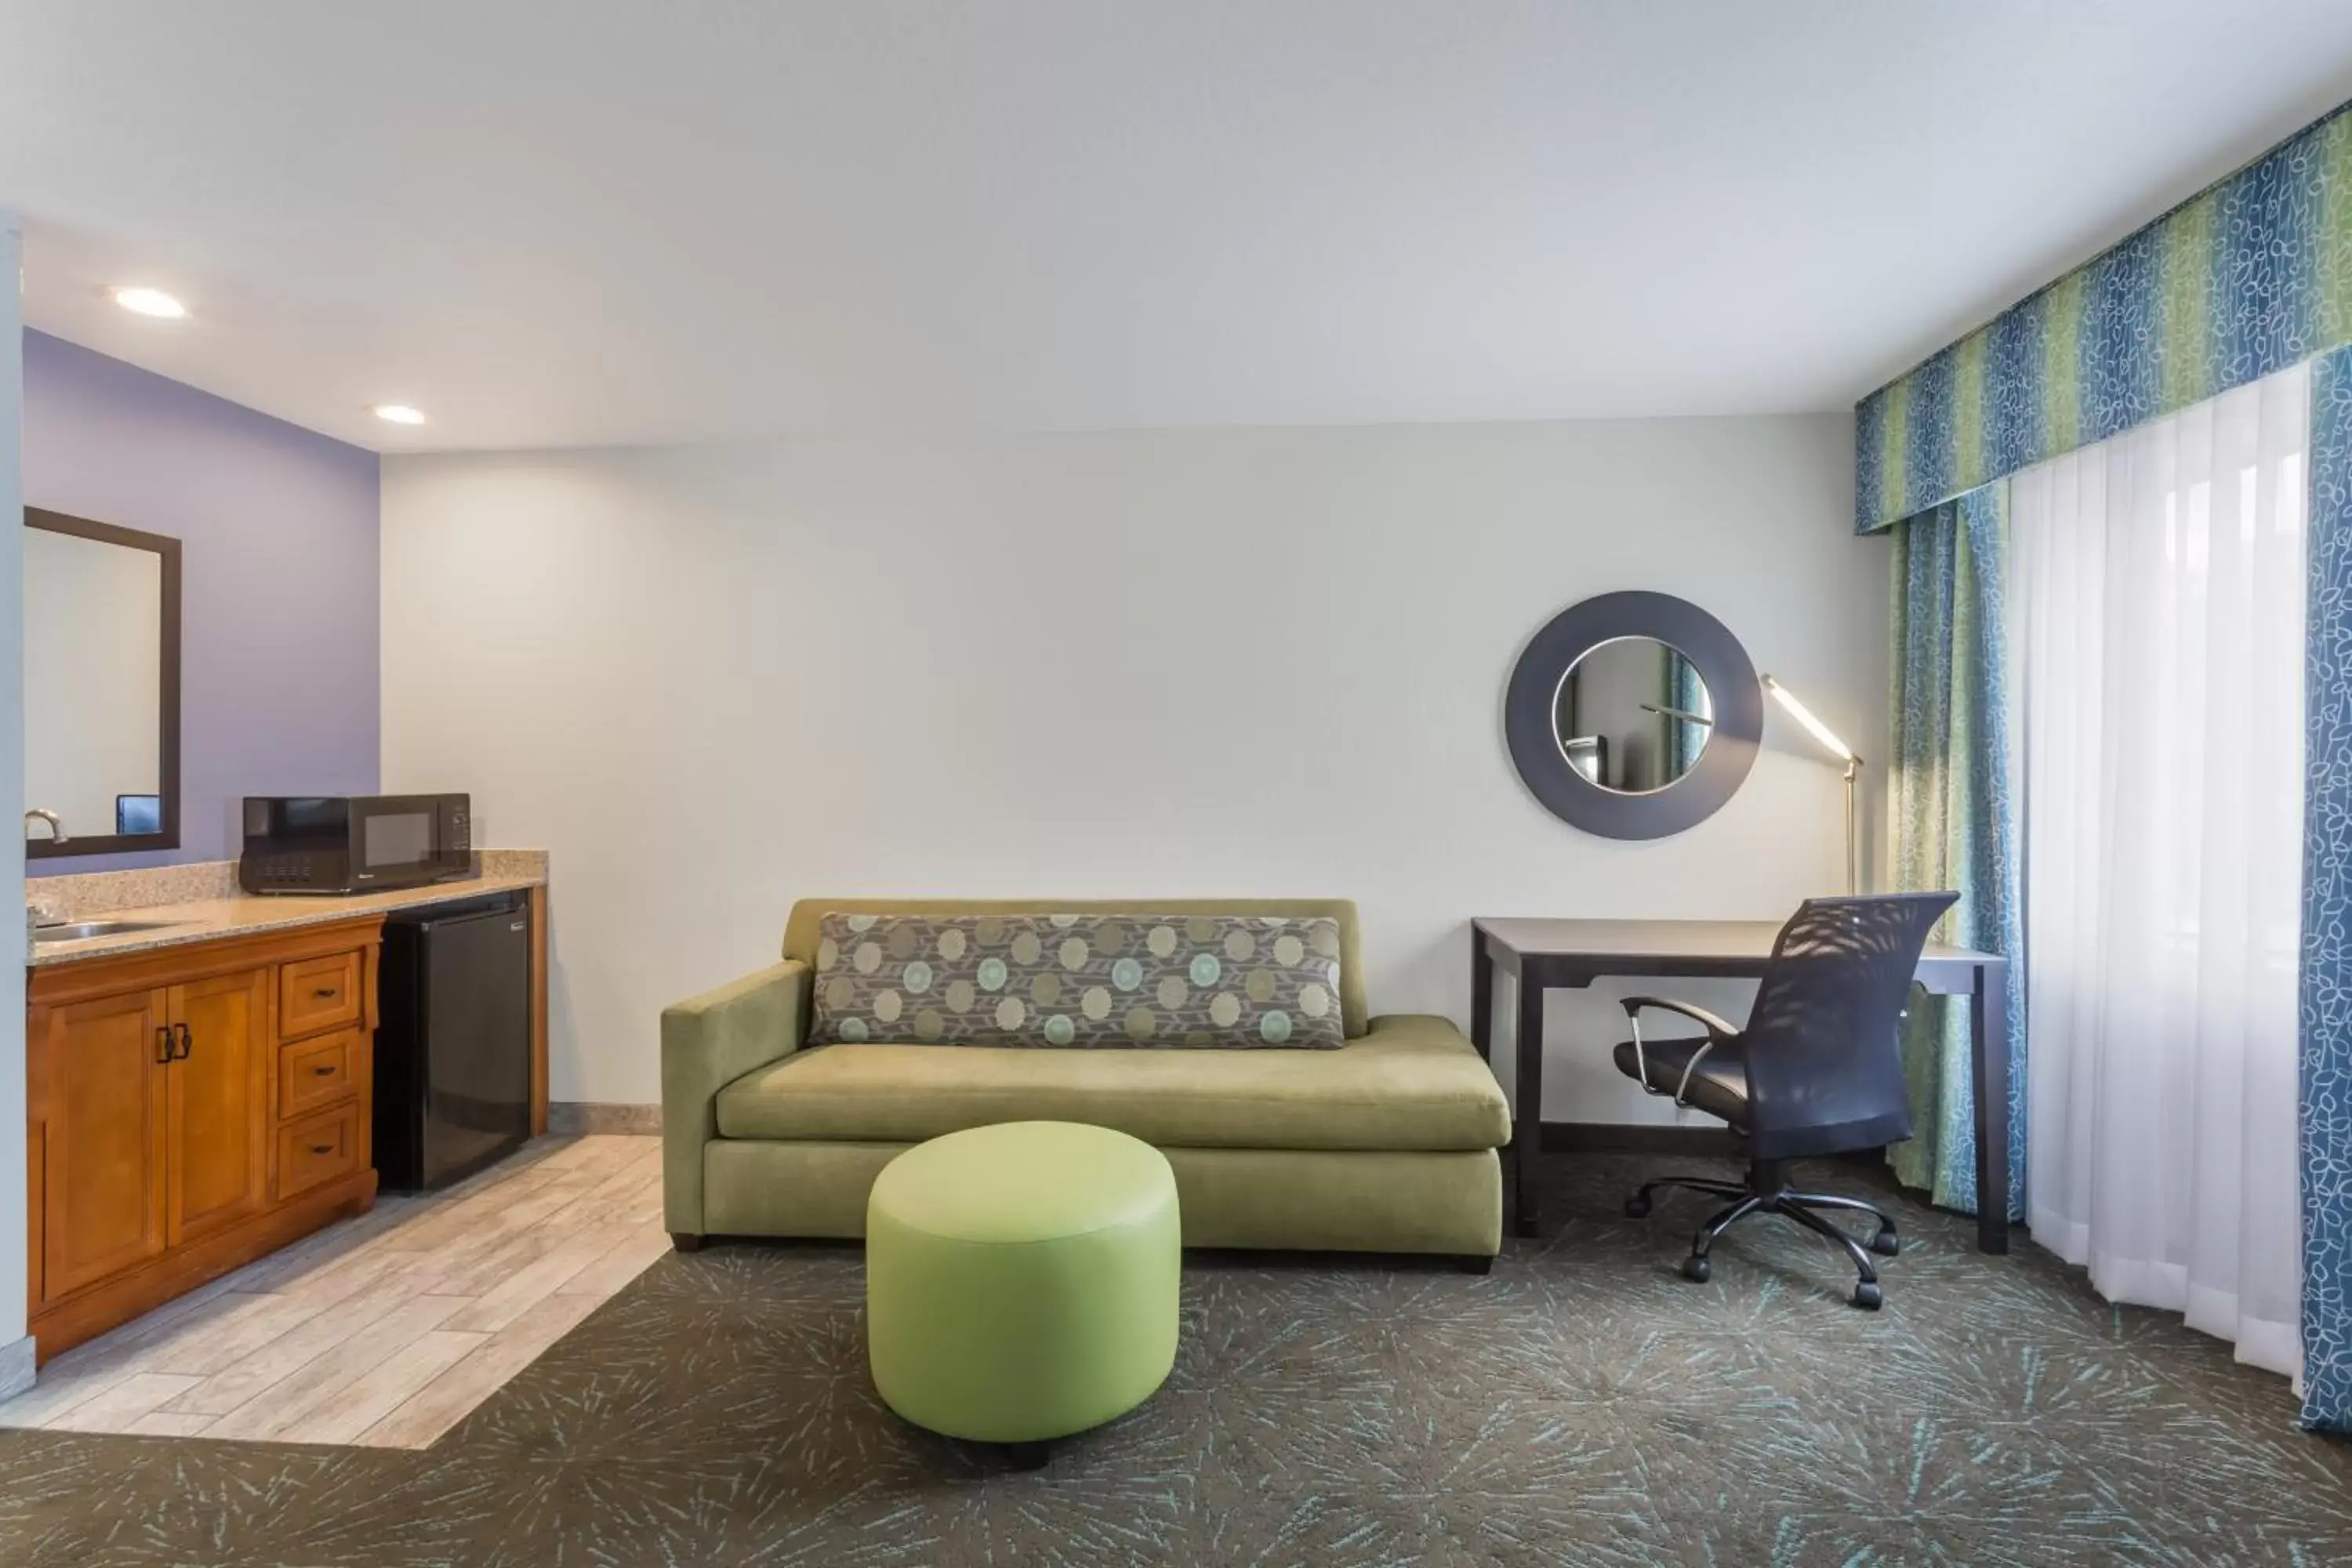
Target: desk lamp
point(1842, 753)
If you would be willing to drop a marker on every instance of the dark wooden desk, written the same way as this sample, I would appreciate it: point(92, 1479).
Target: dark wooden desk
point(1545, 956)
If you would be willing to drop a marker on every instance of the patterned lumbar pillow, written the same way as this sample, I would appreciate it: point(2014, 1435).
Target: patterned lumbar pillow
point(1078, 980)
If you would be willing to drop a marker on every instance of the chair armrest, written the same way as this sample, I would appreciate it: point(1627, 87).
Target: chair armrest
point(707, 1043)
point(1716, 1029)
point(1715, 1025)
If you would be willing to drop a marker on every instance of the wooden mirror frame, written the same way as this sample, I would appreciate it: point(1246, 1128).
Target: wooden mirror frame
point(167, 707)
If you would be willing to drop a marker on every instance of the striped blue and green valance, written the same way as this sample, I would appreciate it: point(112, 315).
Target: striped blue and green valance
point(2249, 276)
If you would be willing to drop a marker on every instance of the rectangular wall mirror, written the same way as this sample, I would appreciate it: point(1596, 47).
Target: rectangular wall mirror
point(101, 687)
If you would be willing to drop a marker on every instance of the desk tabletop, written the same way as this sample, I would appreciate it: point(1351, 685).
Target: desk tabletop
point(1735, 939)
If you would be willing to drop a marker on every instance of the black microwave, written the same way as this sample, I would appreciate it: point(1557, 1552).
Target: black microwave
point(354, 843)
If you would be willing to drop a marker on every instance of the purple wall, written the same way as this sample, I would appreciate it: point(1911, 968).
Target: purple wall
point(278, 685)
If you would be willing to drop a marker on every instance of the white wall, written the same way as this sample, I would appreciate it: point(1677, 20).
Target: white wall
point(12, 1236)
point(713, 679)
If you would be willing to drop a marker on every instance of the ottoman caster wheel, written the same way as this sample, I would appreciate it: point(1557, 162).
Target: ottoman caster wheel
point(1637, 1208)
point(1868, 1296)
point(1886, 1244)
point(1698, 1269)
point(1028, 1456)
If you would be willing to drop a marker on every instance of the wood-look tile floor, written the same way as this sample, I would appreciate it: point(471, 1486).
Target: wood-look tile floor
point(383, 1331)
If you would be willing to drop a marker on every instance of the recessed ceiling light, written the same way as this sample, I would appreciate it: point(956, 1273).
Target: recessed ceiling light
point(150, 302)
point(398, 414)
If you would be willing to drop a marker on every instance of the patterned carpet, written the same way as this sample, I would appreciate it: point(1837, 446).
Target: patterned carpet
point(1582, 1404)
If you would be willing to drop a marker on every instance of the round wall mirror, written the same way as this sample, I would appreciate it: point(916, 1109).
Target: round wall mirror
point(1634, 715)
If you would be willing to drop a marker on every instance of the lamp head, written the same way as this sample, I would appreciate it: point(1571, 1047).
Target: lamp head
point(1814, 727)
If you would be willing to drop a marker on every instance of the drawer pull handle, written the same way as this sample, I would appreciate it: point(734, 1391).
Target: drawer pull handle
point(324, 994)
point(322, 1148)
point(163, 1049)
point(187, 1040)
point(326, 1072)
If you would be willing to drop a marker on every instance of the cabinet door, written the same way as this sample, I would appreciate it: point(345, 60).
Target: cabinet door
point(101, 1109)
point(219, 1103)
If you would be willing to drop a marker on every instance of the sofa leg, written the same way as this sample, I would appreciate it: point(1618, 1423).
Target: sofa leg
point(1475, 1265)
point(686, 1241)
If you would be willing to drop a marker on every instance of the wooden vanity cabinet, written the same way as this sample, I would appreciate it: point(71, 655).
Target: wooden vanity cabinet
point(100, 1095)
point(189, 1110)
point(216, 1099)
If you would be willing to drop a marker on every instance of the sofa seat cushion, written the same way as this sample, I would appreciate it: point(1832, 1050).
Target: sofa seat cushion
point(1408, 1083)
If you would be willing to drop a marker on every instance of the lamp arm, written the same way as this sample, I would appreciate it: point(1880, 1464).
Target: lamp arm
point(1852, 842)
point(1685, 714)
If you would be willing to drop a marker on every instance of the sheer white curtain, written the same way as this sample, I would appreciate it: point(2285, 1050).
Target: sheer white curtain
point(2156, 607)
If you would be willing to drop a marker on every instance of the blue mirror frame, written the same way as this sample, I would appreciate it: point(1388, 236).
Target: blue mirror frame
point(1529, 705)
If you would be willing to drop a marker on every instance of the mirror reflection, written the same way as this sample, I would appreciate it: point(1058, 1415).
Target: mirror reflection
point(95, 684)
point(1632, 715)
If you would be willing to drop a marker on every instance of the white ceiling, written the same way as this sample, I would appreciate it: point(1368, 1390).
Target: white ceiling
point(640, 220)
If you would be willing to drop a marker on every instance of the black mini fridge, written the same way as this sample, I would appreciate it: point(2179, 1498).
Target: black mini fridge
point(453, 1041)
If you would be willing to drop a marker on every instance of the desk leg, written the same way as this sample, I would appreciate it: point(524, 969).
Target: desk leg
point(1989, 1052)
point(1526, 1113)
point(1481, 997)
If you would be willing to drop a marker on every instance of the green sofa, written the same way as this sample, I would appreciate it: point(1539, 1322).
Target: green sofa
point(1387, 1144)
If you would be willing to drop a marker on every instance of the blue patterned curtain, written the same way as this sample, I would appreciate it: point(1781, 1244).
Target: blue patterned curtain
point(2326, 1002)
point(1686, 693)
point(1949, 797)
point(2249, 276)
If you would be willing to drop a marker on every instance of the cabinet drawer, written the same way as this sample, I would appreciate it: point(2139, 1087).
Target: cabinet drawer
point(318, 1149)
point(317, 995)
point(313, 1073)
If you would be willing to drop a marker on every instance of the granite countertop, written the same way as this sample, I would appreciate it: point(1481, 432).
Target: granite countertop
point(233, 913)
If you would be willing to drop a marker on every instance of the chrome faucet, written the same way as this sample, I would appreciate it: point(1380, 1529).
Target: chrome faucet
point(56, 828)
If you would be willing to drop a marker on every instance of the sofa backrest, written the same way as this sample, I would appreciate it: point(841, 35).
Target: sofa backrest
point(801, 928)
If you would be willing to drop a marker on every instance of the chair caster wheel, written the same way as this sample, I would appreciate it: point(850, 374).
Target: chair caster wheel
point(1637, 1208)
point(1868, 1296)
point(1886, 1244)
point(1698, 1269)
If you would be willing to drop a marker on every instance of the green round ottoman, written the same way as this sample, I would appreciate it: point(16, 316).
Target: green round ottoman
point(1021, 1282)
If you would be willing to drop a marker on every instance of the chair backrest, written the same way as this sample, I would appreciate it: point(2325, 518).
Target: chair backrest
point(1823, 1071)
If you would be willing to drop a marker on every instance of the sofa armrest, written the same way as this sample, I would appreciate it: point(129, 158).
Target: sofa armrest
point(1428, 1036)
point(707, 1043)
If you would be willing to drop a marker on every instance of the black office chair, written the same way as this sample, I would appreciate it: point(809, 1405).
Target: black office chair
point(1814, 1072)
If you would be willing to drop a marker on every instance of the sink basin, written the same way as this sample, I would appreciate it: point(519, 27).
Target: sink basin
point(80, 930)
